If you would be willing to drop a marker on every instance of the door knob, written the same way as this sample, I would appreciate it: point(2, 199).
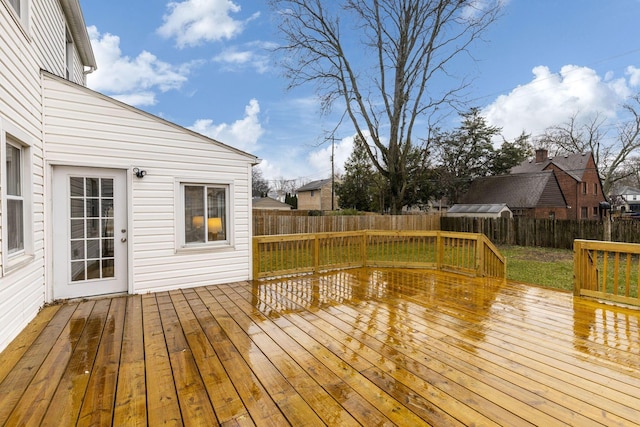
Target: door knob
point(124, 239)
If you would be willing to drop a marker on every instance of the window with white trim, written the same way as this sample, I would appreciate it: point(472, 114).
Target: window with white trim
point(16, 6)
point(21, 9)
point(15, 197)
point(16, 186)
point(206, 213)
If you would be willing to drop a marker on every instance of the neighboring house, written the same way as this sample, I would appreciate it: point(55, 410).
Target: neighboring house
point(267, 203)
point(495, 210)
point(577, 175)
point(316, 195)
point(626, 199)
point(533, 195)
point(99, 197)
point(565, 187)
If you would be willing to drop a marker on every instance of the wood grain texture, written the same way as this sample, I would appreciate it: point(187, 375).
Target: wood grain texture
point(354, 347)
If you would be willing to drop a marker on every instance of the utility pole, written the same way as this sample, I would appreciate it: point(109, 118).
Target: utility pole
point(333, 175)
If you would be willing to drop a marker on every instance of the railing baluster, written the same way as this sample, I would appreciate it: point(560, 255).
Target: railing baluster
point(468, 253)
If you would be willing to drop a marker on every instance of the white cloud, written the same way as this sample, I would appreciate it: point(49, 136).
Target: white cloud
point(242, 134)
point(552, 98)
point(138, 98)
point(192, 22)
point(251, 56)
point(320, 160)
point(634, 75)
point(131, 80)
point(475, 8)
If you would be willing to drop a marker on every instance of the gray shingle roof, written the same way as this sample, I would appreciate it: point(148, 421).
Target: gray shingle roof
point(573, 164)
point(314, 185)
point(523, 190)
point(625, 190)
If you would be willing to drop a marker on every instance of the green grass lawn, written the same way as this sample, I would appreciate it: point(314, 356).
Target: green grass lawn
point(539, 266)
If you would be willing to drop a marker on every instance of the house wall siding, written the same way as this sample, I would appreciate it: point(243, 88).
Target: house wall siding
point(85, 128)
point(308, 202)
point(48, 34)
point(325, 201)
point(22, 291)
point(321, 199)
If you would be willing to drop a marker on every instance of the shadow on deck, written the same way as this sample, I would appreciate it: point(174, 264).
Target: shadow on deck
point(355, 347)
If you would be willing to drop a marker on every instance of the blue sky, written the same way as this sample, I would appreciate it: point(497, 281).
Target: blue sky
point(206, 65)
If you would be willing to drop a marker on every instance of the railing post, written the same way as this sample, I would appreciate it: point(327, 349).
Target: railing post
point(316, 253)
point(439, 251)
point(479, 256)
point(256, 259)
point(363, 249)
point(577, 267)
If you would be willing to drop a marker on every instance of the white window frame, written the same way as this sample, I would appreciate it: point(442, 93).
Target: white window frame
point(13, 135)
point(69, 59)
point(21, 13)
point(181, 244)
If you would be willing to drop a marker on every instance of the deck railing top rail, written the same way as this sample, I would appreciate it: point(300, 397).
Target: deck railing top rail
point(468, 253)
point(607, 270)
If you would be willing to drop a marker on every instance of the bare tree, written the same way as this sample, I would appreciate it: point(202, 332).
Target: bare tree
point(612, 155)
point(259, 185)
point(575, 137)
point(386, 60)
point(283, 186)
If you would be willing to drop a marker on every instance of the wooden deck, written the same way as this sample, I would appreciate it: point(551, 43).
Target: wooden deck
point(357, 347)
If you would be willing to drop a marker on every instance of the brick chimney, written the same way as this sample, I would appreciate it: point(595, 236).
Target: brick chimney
point(541, 155)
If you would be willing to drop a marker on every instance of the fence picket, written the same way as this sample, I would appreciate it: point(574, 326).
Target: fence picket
point(510, 231)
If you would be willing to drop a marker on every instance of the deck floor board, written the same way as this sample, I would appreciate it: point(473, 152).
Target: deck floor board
point(353, 347)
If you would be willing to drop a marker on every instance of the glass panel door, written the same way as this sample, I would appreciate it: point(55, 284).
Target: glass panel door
point(91, 224)
point(89, 235)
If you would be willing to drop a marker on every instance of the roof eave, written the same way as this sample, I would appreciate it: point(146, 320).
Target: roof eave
point(78, 30)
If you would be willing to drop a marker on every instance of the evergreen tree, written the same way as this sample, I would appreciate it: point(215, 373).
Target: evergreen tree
point(355, 190)
point(465, 153)
point(511, 154)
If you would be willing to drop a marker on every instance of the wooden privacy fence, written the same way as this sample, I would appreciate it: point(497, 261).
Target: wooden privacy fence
point(543, 232)
point(269, 224)
point(607, 270)
point(293, 254)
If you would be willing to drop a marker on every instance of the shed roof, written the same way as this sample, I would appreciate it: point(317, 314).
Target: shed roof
point(269, 203)
point(486, 208)
point(524, 190)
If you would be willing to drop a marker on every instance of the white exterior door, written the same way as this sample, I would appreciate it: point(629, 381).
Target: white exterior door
point(89, 232)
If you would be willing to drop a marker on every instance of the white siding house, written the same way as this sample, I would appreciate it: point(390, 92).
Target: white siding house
point(76, 219)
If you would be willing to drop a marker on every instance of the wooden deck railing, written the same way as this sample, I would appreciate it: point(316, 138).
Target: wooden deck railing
point(467, 253)
point(607, 270)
